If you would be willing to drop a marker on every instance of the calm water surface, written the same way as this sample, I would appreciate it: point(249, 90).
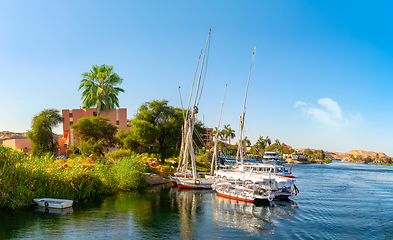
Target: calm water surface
point(336, 201)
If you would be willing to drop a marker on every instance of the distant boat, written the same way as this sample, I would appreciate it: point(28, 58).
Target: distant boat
point(53, 203)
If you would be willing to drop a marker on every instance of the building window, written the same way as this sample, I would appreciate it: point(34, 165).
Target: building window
point(117, 122)
point(71, 123)
point(94, 114)
point(70, 115)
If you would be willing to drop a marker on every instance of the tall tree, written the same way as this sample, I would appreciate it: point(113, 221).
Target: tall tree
point(229, 133)
point(247, 141)
point(100, 88)
point(268, 141)
point(217, 133)
point(94, 135)
point(156, 128)
point(41, 134)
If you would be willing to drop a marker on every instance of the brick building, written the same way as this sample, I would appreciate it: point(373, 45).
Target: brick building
point(117, 117)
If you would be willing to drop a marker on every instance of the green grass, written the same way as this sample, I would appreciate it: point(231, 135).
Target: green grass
point(23, 178)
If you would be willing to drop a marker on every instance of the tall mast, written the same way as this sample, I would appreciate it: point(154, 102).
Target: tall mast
point(188, 146)
point(215, 154)
point(240, 146)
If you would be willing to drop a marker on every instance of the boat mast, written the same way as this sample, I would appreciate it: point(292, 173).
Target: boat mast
point(215, 154)
point(184, 161)
point(240, 146)
point(192, 118)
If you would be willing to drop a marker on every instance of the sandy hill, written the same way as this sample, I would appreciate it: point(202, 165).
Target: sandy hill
point(347, 155)
point(6, 135)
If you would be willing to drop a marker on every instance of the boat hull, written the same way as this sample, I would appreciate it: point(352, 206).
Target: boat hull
point(197, 184)
point(266, 199)
point(53, 203)
point(173, 181)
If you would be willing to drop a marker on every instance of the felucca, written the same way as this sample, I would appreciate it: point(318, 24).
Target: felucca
point(184, 178)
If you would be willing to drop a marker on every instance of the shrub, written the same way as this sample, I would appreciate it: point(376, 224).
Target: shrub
point(120, 153)
point(26, 177)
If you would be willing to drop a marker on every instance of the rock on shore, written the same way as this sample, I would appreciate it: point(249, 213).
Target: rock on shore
point(154, 179)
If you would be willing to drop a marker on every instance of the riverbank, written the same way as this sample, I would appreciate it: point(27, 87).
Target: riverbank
point(23, 178)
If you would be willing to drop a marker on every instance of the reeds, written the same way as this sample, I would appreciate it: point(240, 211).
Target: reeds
point(23, 178)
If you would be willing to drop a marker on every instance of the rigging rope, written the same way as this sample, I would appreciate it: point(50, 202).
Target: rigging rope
point(204, 74)
point(199, 137)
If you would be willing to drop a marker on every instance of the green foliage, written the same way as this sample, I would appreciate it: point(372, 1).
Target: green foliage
point(94, 134)
point(24, 178)
point(120, 153)
point(203, 161)
point(129, 173)
point(156, 128)
point(282, 148)
point(228, 133)
point(100, 88)
point(308, 152)
point(41, 134)
point(246, 141)
point(232, 149)
point(317, 154)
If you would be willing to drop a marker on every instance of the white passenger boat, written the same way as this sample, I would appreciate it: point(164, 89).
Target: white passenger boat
point(240, 185)
point(53, 202)
point(282, 180)
point(248, 191)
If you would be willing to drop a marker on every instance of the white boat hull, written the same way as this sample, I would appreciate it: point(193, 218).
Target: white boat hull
point(228, 190)
point(53, 203)
point(197, 184)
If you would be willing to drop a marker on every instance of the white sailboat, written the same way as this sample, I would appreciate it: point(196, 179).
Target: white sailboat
point(185, 179)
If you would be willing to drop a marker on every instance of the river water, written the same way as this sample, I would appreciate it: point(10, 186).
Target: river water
point(336, 201)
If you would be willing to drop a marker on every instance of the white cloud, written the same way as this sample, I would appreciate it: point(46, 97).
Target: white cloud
point(328, 113)
point(300, 103)
point(331, 106)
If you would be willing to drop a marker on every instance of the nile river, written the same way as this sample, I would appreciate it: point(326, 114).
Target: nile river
point(336, 201)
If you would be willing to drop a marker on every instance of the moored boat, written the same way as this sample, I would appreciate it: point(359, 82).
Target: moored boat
point(53, 203)
point(199, 183)
point(248, 191)
point(192, 180)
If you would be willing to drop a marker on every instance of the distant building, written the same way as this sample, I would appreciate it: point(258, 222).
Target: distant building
point(117, 117)
point(295, 156)
point(25, 145)
point(207, 136)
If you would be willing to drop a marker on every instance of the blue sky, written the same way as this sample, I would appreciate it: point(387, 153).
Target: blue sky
point(322, 76)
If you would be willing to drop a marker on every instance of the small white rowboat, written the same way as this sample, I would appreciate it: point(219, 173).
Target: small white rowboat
point(53, 203)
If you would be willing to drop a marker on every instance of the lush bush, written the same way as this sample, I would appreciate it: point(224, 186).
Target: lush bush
point(119, 154)
point(24, 178)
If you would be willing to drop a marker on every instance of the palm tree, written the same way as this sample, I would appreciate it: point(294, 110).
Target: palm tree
point(247, 141)
point(100, 89)
point(277, 142)
point(261, 143)
point(268, 141)
point(217, 133)
point(229, 133)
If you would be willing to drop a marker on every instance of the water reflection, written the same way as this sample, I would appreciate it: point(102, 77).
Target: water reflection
point(252, 218)
point(54, 210)
point(191, 206)
point(227, 215)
